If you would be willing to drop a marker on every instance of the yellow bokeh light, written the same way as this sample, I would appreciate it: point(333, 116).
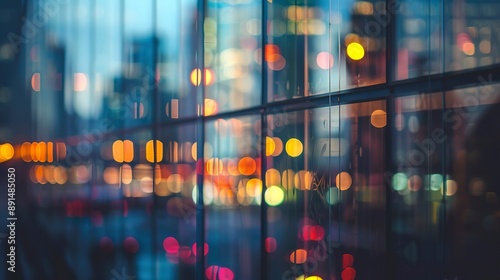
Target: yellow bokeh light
point(253, 187)
point(214, 166)
point(270, 146)
point(355, 51)
point(208, 150)
point(343, 181)
point(298, 256)
point(196, 77)
point(6, 152)
point(210, 108)
point(379, 118)
point(314, 278)
point(150, 152)
point(294, 147)
point(274, 196)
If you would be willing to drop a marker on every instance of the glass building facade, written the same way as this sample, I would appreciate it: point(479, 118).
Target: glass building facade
point(245, 139)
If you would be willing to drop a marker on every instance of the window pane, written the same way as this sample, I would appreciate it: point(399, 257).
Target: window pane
point(472, 34)
point(419, 38)
point(232, 190)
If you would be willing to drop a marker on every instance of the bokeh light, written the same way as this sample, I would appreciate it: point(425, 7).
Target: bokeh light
point(399, 181)
point(247, 166)
point(35, 82)
point(332, 196)
point(278, 146)
point(378, 118)
point(288, 179)
point(273, 177)
point(6, 152)
point(303, 180)
point(270, 146)
point(150, 151)
point(314, 278)
point(270, 244)
point(130, 244)
point(205, 249)
point(324, 60)
point(414, 183)
point(343, 181)
point(274, 196)
point(210, 108)
point(451, 187)
point(355, 51)
point(253, 187)
point(294, 147)
point(196, 77)
point(171, 245)
point(80, 82)
point(298, 256)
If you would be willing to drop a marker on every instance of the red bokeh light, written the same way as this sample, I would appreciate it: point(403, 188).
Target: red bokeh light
point(171, 245)
point(106, 244)
point(205, 249)
point(270, 244)
point(347, 260)
point(130, 244)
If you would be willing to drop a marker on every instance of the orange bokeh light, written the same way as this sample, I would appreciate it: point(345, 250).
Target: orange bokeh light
point(298, 256)
point(247, 166)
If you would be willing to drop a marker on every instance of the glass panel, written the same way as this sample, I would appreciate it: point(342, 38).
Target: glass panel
point(232, 36)
point(143, 149)
point(177, 45)
point(232, 190)
point(316, 47)
point(325, 192)
point(419, 37)
point(472, 34)
point(472, 207)
point(416, 186)
point(175, 211)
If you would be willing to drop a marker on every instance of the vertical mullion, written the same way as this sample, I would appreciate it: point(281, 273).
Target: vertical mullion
point(263, 116)
point(154, 119)
point(200, 127)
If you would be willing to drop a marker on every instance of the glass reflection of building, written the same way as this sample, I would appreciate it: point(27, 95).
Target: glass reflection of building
point(252, 139)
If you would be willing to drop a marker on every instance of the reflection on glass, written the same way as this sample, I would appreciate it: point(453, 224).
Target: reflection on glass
point(206, 139)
